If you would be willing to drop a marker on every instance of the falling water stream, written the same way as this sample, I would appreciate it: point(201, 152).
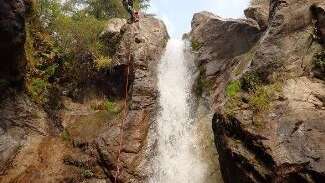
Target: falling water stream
point(179, 156)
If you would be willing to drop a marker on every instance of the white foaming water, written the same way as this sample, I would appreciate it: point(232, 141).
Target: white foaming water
point(178, 154)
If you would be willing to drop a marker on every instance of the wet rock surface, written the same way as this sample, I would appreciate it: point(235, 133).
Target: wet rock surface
point(279, 140)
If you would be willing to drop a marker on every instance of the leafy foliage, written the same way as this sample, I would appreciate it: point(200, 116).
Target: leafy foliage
point(79, 33)
point(250, 81)
point(37, 89)
point(103, 9)
point(196, 45)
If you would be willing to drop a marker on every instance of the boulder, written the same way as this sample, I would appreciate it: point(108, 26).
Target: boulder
point(217, 42)
point(19, 119)
point(258, 13)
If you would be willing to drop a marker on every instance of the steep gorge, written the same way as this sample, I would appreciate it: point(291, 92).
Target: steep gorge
point(263, 78)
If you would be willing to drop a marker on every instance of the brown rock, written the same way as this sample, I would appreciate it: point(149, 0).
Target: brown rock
point(258, 13)
point(141, 45)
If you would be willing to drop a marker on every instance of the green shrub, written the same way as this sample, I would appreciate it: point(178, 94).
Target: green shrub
point(112, 107)
point(319, 60)
point(107, 105)
point(78, 34)
point(87, 174)
point(51, 70)
point(232, 105)
point(250, 81)
point(65, 135)
point(233, 88)
point(103, 63)
point(196, 45)
point(261, 98)
point(37, 88)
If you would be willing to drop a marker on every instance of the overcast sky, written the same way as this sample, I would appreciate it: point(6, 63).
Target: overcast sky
point(177, 14)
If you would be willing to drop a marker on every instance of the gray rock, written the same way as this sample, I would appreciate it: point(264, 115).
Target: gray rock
point(283, 143)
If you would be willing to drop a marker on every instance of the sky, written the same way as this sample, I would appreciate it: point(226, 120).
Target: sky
point(177, 14)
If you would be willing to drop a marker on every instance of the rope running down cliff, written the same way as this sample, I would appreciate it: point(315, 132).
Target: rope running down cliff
point(123, 121)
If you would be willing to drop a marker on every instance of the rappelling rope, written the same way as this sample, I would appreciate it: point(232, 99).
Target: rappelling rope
point(118, 168)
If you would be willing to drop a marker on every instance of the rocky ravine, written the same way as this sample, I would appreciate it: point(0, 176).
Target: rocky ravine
point(268, 90)
point(31, 150)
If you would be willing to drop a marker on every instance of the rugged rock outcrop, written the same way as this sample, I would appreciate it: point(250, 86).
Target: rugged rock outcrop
point(217, 42)
point(141, 45)
point(12, 39)
point(269, 120)
point(258, 13)
point(88, 148)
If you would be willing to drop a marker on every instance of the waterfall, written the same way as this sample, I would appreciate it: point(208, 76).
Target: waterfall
point(178, 158)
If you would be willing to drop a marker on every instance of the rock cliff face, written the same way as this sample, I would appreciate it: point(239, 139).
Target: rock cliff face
point(12, 39)
point(267, 95)
point(87, 150)
point(139, 49)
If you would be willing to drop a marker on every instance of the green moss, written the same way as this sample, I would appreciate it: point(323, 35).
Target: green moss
point(232, 91)
point(233, 88)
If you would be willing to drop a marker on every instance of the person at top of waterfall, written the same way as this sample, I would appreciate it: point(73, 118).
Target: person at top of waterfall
point(128, 5)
